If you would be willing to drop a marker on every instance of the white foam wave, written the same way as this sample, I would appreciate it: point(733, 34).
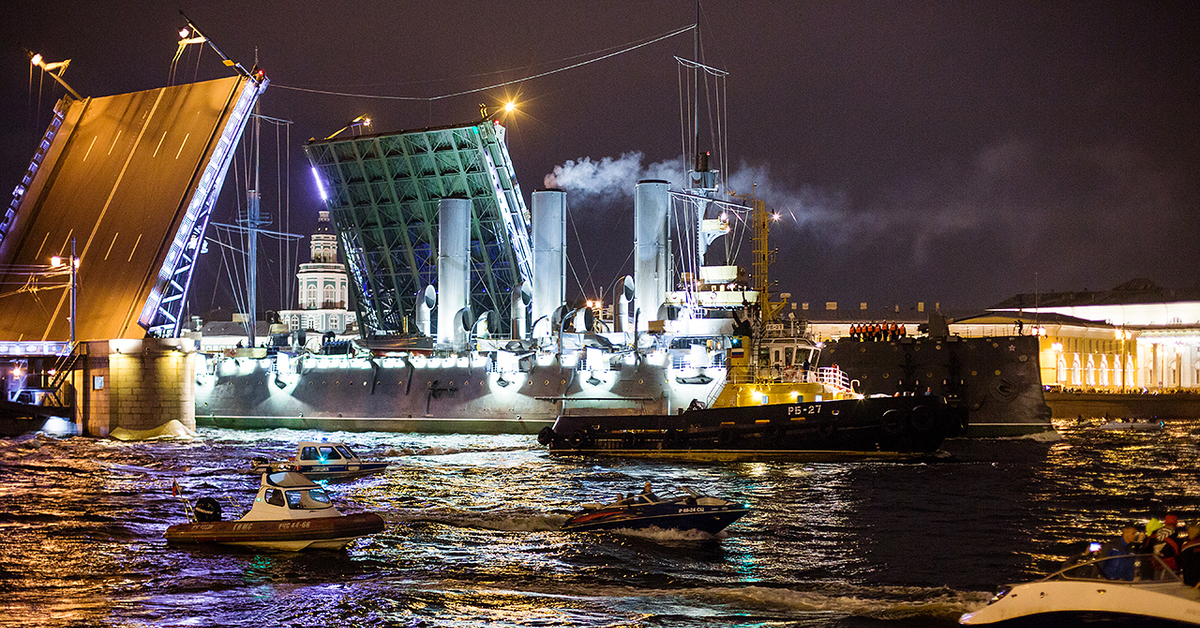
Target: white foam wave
point(655, 533)
point(890, 603)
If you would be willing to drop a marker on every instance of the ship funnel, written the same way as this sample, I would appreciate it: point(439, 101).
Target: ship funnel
point(549, 213)
point(454, 270)
point(425, 308)
point(651, 266)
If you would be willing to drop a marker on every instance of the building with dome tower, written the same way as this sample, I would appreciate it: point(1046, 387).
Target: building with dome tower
point(323, 292)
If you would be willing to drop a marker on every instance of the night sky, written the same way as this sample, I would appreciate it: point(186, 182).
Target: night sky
point(951, 152)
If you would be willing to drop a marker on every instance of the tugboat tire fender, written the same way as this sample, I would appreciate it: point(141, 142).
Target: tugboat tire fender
point(922, 418)
point(893, 421)
point(826, 429)
point(726, 436)
point(546, 436)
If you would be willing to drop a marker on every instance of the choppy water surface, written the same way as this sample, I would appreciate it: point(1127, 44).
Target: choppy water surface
point(472, 539)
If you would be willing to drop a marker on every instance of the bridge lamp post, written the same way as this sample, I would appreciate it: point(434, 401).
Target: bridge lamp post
point(56, 262)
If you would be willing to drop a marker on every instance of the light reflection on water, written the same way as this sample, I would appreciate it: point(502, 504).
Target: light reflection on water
point(472, 533)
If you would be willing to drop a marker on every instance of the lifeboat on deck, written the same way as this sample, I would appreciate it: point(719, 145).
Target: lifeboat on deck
point(290, 512)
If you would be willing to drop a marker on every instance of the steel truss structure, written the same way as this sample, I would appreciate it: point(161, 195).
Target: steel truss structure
point(383, 194)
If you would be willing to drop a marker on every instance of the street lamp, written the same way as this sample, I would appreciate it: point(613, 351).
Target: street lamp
point(55, 70)
point(360, 121)
point(56, 262)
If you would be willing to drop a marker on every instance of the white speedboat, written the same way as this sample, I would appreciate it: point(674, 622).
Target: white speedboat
point(290, 512)
point(1133, 425)
point(321, 461)
point(1154, 592)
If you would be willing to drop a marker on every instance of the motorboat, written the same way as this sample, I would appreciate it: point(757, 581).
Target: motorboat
point(320, 461)
point(290, 512)
point(1133, 425)
point(686, 511)
point(1081, 587)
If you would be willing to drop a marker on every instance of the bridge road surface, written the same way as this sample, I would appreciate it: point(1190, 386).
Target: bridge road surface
point(118, 178)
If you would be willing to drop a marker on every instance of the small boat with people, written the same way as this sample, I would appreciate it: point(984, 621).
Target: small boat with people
point(688, 510)
point(1132, 425)
point(1133, 585)
point(290, 512)
point(320, 461)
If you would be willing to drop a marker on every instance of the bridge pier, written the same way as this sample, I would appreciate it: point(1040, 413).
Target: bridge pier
point(132, 389)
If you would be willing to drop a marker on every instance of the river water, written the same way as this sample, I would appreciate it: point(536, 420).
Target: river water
point(472, 538)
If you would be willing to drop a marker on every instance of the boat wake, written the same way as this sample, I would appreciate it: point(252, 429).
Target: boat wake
point(505, 520)
point(882, 603)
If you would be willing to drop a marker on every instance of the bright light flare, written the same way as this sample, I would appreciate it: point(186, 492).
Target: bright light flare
point(320, 185)
point(510, 107)
point(183, 33)
point(775, 216)
point(36, 59)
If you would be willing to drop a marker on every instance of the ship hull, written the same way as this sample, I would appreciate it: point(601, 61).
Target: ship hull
point(386, 395)
point(290, 535)
point(997, 379)
point(881, 427)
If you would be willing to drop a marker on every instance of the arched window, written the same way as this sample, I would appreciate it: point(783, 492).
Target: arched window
point(1103, 370)
point(1077, 371)
point(1090, 374)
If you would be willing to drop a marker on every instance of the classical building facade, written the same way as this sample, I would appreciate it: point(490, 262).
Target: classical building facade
point(1137, 336)
point(323, 290)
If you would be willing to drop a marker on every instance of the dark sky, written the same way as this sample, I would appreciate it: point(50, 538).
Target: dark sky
point(952, 152)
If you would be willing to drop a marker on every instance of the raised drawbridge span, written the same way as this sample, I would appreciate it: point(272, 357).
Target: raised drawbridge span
point(130, 181)
point(383, 193)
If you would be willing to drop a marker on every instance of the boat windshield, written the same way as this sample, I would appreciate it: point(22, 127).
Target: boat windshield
point(1128, 568)
point(345, 451)
point(308, 499)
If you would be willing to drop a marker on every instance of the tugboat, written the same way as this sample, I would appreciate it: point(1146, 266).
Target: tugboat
point(775, 401)
point(321, 461)
point(1153, 591)
point(689, 511)
point(290, 512)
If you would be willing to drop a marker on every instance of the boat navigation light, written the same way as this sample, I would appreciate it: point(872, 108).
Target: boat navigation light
point(775, 216)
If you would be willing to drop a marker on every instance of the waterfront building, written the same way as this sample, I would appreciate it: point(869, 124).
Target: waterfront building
point(1152, 331)
point(323, 290)
point(1137, 337)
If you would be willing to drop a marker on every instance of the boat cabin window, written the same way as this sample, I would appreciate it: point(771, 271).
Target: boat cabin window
point(345, 451)
point(329, 453)
point(274, 497)
point(308, 499)
point(787, 356)
point(309, 453)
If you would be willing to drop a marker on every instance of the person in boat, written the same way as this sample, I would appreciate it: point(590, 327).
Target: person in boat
point(1163, 542)
point(1189, 557)
point(1125, 546)
point(648, 494)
